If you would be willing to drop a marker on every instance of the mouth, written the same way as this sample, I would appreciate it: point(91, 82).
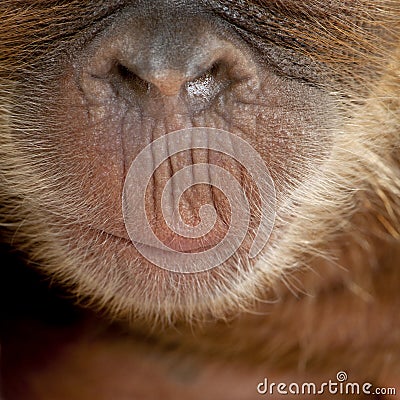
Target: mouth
point(217, 203)
point(176, 244)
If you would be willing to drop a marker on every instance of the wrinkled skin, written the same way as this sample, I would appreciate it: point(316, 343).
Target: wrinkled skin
point(86, 86)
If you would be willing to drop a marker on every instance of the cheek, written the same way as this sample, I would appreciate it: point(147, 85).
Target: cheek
point(89, 155)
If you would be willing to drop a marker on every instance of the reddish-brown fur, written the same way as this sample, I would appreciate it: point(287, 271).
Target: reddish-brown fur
point(326, 297)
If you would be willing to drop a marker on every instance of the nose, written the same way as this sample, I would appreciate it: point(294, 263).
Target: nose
point(166, 79)
point(197, 67)
point(192, 60)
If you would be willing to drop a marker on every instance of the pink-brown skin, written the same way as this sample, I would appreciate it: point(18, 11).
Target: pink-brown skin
point(313, 86)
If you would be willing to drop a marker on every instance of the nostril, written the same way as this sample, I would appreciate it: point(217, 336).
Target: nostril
point(211, 72)
point(131, 80)
point(202, 90)
point(142, 79)
point(125, 72)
